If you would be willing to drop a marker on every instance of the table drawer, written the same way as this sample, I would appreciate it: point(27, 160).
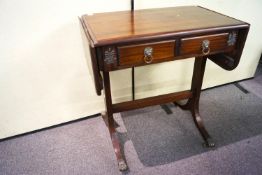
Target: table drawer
point(146, 53)
point(204, 45)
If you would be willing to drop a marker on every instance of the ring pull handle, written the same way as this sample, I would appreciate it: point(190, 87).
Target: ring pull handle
point(205, 47)
point(148, 55)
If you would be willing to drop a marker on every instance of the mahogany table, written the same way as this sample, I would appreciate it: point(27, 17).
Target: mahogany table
point(126, 39)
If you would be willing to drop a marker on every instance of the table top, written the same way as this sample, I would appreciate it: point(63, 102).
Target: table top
point(112, 27)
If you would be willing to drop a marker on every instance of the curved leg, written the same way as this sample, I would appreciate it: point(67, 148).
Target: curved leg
point(200, 125)
point(109, 120)
point(193, 103)
point(116, 145)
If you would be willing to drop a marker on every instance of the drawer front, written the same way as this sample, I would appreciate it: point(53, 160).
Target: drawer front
point(204, 45)
point(146, 53)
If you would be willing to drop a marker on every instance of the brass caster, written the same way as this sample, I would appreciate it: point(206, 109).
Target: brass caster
point(209, 143)
point(122, 165)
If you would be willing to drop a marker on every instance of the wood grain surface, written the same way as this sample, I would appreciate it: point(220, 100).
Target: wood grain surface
point(193, 45)
point(112, 27)
point(134, 55)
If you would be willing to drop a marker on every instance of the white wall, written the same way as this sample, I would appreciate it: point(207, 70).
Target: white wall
point(43, 73)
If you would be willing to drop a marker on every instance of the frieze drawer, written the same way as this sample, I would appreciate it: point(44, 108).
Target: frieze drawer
point(142, 54)
point(207, 44)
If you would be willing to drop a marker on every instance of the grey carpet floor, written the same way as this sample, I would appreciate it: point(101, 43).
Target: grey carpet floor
point(153, 141)
point(254, 85)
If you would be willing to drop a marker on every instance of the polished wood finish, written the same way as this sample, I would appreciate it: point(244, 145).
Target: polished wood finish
point(94, 61)
point(122, 29)
point(134, 55)
point(193, 103)
point(108, 117)
point(118, 27)
point(230, 60)
point(150, 101)
point(192, 46)
point(118, 41)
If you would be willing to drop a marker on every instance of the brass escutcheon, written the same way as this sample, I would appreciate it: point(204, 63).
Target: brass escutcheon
point(148, 55)
point(205, 47)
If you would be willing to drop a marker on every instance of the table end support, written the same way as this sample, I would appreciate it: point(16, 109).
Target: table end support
point(115, 142)
point(111, 124)
point(193, 103)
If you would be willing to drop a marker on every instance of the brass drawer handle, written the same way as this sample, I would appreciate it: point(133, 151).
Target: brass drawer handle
point(148, 55)
point(205, 47)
